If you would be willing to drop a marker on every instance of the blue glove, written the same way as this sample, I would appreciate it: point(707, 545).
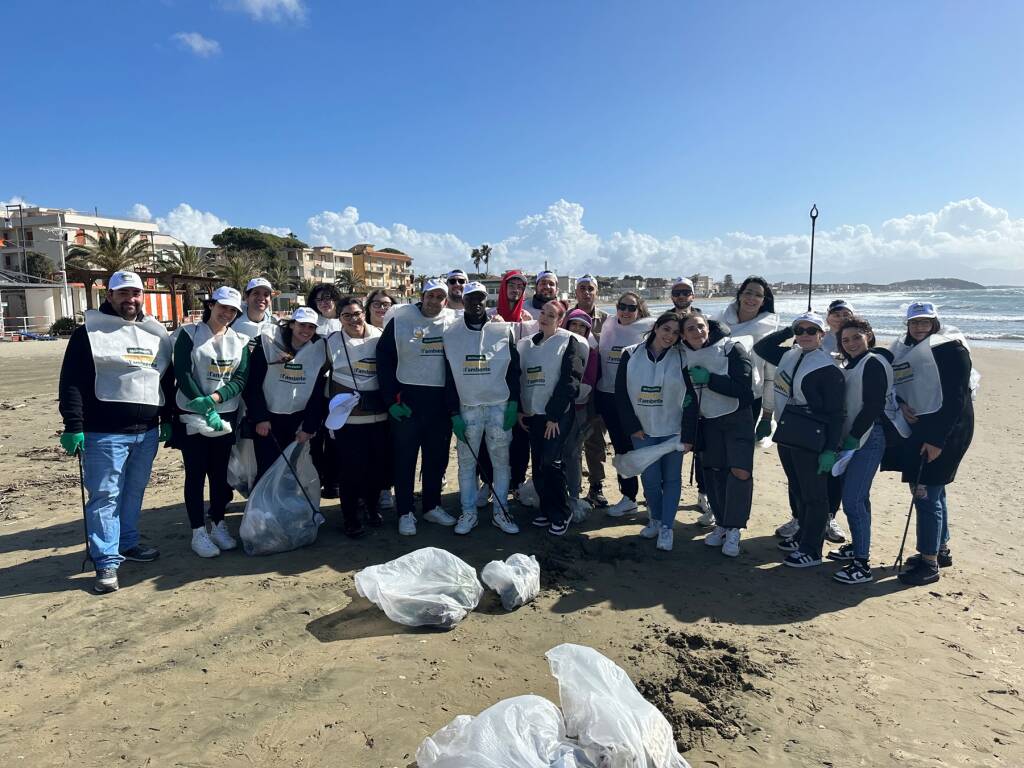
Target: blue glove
point(203, 404)
point(826, 460)
point(700, 376)
point(459, 427)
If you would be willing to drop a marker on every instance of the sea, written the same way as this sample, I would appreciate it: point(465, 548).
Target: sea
point(989, 317)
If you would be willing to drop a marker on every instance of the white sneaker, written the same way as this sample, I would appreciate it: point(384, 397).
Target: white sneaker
point(439, 516)
point(220, 536)
point(623, 506)
point(706, 519)
point(765, 443)
point(834, 533)
point(788, 529)
point(580, 510)
point(731, 547)
point(500, 520)
point(483, 495)
point(386, 500)
point(716, 537)
point(651, 530)
point(703, 504)
point(407, 524)
point(665, 539)
point(202, 544)
point(467, 522)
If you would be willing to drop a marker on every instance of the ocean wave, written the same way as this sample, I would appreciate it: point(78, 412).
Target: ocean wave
point(977, 335)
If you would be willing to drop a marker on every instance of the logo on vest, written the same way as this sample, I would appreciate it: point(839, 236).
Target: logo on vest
point(139, 357)
point(476, 365)
point(784, 383)
point(219, 369)
point(615, 355)
point(902, 373)
point(649, 396)
point(535, 376)
point(431, 345)
point(365, 367)
point(293, 373)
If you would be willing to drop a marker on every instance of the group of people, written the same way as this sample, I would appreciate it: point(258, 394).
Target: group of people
point(529, 389)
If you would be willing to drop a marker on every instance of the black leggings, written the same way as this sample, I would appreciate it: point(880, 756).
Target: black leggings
point(282, 428)
point(809, 490)
point(360, 450)
point(206, 458)
point(628, 486)
point(549, 457)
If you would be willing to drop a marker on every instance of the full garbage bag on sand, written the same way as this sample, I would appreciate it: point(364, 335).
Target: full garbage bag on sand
point(277, 516)
point(615, 725)
point(521, 732)
point(634, 462)
point(242, 466)
point(517, 580)
point(528, 496)
point(428, 587)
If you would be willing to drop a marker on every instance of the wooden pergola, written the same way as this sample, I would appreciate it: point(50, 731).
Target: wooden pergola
point(171, 280)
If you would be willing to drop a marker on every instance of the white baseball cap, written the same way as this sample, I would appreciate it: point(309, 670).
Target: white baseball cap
point(259, 282)
point(587, 279)
point(682, 281)
point(921, 309)
point(305, 315)
point(810, 317)
point(455, 273)
point(341, 406)
point(838, 304)
point(474, 287)
point(546, 273)
point(229, 297)
point(433, 284)
point(124, 279)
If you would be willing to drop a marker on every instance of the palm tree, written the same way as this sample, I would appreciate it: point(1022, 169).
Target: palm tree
point(481, 254)
point(348, 283)
point(277, 273)
point(109, 251)
point(187, 260)
point(306, 285)
point(236, 268)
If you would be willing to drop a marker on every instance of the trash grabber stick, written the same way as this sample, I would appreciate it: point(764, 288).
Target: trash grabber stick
point(810, 277)
point(295, 474)
point(696, 432)
point(910, 512)
point(85, 520)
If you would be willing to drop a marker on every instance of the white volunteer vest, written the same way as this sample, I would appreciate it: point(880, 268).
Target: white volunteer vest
point(214, 360)
point(252, 329)
point(855, 394)
point(656, 390)
point(325, 326)
point(541, 366)
point(790, 390)
point(357, 370)
point(479, 361)
point(917, 375)
point(614, 338)
point(715, 358)
point(756, 329)
point(419, 341)
point(287, 386)
point(129, 357)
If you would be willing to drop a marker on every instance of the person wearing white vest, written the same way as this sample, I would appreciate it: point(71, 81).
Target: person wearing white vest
point(115, 394)
point(594, 441)
point(325, 298)
point(650, 389)
point(211, 365)
point(720, 421)
point(482, 387)
point(933, 374)
point(631, 322)
point(551, 364)
point(580, 322)
point(869, 397)
point(257, 316)
point(410, 369)
point(808, 382)
point(282, 399)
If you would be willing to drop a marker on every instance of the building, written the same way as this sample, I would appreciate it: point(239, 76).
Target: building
point(703, 285)
point(321, 264)
point(388, 268)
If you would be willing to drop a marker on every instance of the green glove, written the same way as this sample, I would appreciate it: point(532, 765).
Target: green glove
point(399, 411)
point(851, 443)
point(511, 412)
point(213, 421)
point(459, 427)
point(165, 433)
point(764, 428)
point(700, 375)
point(826, 460)
point(203, 404)
point(688, 400)
point(72, 442)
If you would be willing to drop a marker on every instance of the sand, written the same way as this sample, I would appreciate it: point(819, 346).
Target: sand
point(274, 661)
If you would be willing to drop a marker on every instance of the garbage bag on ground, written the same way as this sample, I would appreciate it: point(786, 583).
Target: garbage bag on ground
point(634, 462)
point(242, 466)
point(615, 725)
point(277, 516)
point(528, 496)
point(517, 580)
point(428, 587)
point(524, 731)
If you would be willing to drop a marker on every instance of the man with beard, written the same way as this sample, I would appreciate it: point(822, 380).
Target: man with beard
point(456, 280)
point(545, 290)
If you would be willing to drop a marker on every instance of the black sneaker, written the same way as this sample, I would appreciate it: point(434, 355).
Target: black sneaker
point(558, 529)
point(788, 545)
point(596, 498)
point(920, 573)
point(857, 572)
point(541, 521)
point(798, 559)
point(140, 554)
point(106, 581)
point(845, 552)
point(944, 558)
point(353, 527)
point(329, 492)
point(374, 518)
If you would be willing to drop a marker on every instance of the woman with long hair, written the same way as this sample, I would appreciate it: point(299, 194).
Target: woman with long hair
point(325, 300)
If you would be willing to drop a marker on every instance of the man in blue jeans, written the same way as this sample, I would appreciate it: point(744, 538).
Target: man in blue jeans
point(115, 390)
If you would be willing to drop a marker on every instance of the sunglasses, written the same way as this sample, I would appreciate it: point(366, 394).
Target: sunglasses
point(456, 281)
point(682, 292)
point(627, 307)
point(805, 331)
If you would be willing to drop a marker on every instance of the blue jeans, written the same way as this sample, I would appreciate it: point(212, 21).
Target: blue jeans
point(116, 469)
point(857, 479)
point(932, 520)
point(483, 422)
point(663, 481)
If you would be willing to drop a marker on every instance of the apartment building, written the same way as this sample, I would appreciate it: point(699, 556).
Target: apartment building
point(389, 269)
point(321, 264)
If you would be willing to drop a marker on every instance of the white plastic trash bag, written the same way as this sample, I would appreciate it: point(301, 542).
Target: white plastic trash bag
point(636, 461)
point(528, 496)
point(615, 725)
point(277, 516)
point(521, 732)
point(428, 587)
point(242, 467)
point(517, 580)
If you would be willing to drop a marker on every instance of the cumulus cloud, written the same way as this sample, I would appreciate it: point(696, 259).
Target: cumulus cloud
point(16, 200)
point(140, 212)
point(279, 231)
point(203, 47)
point(193, 226)
point(273, 10)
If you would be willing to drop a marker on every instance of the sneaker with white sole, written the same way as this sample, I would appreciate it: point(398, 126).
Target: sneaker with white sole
point(788, 529)
point(706, 519)
point(834, 533)
point(845, 552)
point(665, 537)
point(559, 529)
point(202, 544)
point(483, 495)
point(798, 559)
point(466, 523)
point(407, 524)
point(541, 521)
point(623, 506)
point(500, 520)
point(106, 581)
point(220, 536)
point(439, 516)
point(856, 571)
point(731, 545)
point(386, 502)
point(788, 545)
point(651, 530)
point(716, 537)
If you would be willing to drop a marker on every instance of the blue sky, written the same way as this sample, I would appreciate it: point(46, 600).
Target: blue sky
point(677, 121)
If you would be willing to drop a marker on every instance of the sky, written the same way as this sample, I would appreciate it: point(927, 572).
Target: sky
point(607, 137)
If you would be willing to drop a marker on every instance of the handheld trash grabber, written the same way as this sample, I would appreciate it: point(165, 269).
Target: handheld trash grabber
point(298, 481)
point(696, 433)
point(501, 502)
point(899, 558)
point(85, 520)
point(810, 277)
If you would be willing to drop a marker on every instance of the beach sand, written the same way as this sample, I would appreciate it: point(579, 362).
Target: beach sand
point(274, 661)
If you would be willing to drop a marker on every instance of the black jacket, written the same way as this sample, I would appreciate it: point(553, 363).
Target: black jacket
point(628, 419)
point(875, 387)
point(256, 409)
point(391, 388)
point(83, 412)
point(738, 382)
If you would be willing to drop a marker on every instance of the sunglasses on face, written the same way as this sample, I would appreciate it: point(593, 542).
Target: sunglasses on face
point(622, 307)
point(804, 331)
point(456, 281)
point(682, 292)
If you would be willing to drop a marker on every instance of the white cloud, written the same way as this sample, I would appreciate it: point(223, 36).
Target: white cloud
point(273, 10)
point(279, 231)
point(16, 200)
point(140, 212)
point(193, 226)
point(203, 47)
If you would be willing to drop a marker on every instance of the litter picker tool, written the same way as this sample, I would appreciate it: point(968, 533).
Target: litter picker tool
point(501, 502)
point(910, 512)
point(85, 521)
point(810, 277)
point(696, 434)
